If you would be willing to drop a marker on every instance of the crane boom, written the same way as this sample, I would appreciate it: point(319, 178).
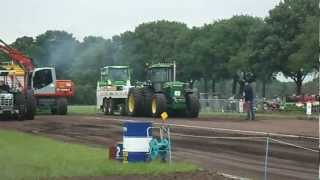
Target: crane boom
point(17, 56)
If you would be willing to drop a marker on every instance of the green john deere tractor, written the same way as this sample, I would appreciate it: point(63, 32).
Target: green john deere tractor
point(162, 93)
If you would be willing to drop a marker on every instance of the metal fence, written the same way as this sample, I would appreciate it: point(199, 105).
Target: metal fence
point(237, 106)
point(221, 105)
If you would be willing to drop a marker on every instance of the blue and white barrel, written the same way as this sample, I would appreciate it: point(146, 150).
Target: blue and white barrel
point(136, 141)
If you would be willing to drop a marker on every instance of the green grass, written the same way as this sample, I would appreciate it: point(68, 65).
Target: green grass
point(25, 156)
point(82, 110)
point(91, 110)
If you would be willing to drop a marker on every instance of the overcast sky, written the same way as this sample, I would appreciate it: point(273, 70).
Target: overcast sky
point(107, 18)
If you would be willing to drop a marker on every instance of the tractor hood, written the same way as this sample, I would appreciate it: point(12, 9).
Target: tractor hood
point(175, 89)
point(176, 84)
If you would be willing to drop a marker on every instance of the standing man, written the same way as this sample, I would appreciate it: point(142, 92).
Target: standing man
point(248, 97)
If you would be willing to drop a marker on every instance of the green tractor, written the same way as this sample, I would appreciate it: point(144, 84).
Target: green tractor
point(162, 93)
point(112, 89)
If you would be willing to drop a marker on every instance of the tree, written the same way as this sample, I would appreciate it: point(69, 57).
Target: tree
point(150, 43)
point(260, 54)
point(295, 25)
point(27, 45)
point(230, 43)
point(189, 66)
point(57, 49)
point(92, 54)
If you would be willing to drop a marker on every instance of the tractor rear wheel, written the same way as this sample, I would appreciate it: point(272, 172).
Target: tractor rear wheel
point(147, 101)
point(135, 102)
point(62, 106)
point(53, 110)
point(193, 106)
point(158, 104)
point(20, 104)
point(30, 106)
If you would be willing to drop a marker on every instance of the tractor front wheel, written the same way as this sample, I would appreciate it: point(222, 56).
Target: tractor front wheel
point(110, 106)
point(193, 106)
point(106, 106)
point(122, 109)
point(158, 104)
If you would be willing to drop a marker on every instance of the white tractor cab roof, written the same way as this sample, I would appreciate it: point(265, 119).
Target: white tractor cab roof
point(116, 67)
point(10, 79)
point(115, 73)
point(4, 72)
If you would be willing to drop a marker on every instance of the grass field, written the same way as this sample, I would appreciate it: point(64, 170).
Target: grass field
point(82, 110)
point(25, 156)
point(91, 110)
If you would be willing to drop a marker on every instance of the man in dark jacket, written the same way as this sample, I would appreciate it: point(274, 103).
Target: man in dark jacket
point(249, 99)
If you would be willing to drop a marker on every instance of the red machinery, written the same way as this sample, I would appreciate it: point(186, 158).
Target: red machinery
point(48, 91)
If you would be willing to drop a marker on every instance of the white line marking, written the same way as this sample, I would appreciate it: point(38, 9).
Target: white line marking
point(290, 144)
point(213, 137)
point(229, 176)
point(221, 129)
point(245, 138)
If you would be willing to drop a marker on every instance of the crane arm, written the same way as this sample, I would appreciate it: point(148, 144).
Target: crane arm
point(17, 56)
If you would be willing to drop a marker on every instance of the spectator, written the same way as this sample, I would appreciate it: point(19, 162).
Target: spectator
point(249, 100)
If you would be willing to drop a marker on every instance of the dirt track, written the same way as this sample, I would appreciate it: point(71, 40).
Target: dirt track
point(237, 157)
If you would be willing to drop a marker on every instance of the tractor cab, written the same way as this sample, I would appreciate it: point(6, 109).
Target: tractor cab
point(4, 87)
point(159, 75)
point(9, 81)
point(115, 75)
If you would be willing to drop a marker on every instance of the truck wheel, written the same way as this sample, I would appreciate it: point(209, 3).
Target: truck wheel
point(147, 101)
point(20, 104)
point(193, 106)
point(30, 106)
point(62, 106)
point(158, 104)
point(135, 102)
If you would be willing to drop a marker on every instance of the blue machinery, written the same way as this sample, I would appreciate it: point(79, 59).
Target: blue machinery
point(160, 147)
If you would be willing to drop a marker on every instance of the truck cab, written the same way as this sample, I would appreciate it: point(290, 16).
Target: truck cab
point(51, 93)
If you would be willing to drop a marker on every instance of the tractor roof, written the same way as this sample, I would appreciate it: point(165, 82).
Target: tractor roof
point(162, 65)
point(116, 67)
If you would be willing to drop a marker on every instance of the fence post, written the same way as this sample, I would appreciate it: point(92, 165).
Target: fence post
point(266, 160)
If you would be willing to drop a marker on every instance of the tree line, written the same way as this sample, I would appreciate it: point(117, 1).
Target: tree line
point(241, 48)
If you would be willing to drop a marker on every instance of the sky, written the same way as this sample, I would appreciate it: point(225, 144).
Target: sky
point(107, 18)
